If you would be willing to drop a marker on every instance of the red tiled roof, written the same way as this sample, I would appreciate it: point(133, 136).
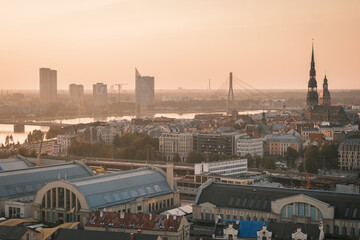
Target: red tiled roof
point(137, 221)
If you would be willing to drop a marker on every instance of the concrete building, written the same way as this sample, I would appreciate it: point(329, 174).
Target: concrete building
point(349, 154)
point(247, 145)
point(253, 203)
point(76, 92)
point(214, 143)
point(65, 141)
point(278, 144)
point(108, 133)
point(135, 191)
point(171, 143)
point(48, 85)
point(222, 168)
point(19, 187)
point(144, 90)
point(165, 226)
point(100, 96)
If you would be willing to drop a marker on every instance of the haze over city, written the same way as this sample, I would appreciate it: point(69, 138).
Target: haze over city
point(180, 43)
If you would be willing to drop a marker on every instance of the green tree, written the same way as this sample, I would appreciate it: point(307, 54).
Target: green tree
point(268, 163)
point(312, 159)
point(251, 161)
point(176, 158)
point(35, 136)
point(290, 157)
point(117, 141)
point(195, 157)
point(329, 155)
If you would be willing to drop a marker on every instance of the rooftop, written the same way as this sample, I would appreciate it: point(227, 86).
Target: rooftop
point(9, 164)
point(117, 188)
point(26, 182)
point(260, 198)
point(72, 234)
point(152, 222)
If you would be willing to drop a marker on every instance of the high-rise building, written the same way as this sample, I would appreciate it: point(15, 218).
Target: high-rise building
point(100, 94)
point(76, 92)
point(144, 90)
point(48, 85)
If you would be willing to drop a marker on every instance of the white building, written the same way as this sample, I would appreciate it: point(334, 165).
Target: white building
point(48, 85)
point(65, 141)
point(225, 168)
point(144, 90)
point(100, 95)
point(108, 133)
point(171, 143)
point(253, 146)
point(76, 92)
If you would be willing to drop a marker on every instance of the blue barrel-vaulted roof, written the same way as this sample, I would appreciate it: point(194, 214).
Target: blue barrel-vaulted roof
point(114, 189)
point(26, 182)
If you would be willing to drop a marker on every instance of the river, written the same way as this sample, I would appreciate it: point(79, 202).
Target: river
point(8, 129)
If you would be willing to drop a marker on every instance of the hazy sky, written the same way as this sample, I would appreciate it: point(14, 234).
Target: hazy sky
point(182, 43)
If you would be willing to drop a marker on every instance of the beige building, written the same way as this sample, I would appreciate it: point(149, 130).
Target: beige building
point(136, 191)
point(100, 95)
point(48, 85)
point(252, 203)
point(76, 92)
point(172, 143)
point(144, 90)
point(167, 227)
point(349, 154)
point(278, 144)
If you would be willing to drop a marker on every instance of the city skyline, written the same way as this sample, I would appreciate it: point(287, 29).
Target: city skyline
point(181, 44)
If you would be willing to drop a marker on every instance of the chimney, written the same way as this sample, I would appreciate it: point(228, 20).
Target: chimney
point(59, 176)
point(131, 236)
point(150, 217)
point(65, 176)
point(170, 175)
point(167, 216)
point(122, 215)
point(174, 217)
point(101, 213)
point(139, 231)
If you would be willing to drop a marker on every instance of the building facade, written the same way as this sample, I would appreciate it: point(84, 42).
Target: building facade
point(279, 144)
point(100, 96)
point(65, 141)
point(76, 92)
point(247, 145)
point(172, 143)
point(135, 191)
point(144, 90)
point(168, 227)
point(48, 85)
point(223, 168)
point(214, 143)
point(253, 203)
point(349, 154)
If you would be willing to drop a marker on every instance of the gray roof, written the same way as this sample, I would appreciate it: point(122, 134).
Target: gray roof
point(282, 138)
point(13, 164)
point(351, 141)
point(26, 182)
point(118, 188)
point(12, 232)
point(70, 234)
point(347, 206)
point(284, 231)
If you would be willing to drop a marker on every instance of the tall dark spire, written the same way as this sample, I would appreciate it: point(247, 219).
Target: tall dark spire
point(312, 69)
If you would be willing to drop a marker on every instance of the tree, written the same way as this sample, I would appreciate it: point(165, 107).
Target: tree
point(195, 157)
point(116, 141)
point(176, 158)
point(329, 155)
point(312, 158)
point(268, 163)
point(290, 157)
point(251, 162)
point(35, 136)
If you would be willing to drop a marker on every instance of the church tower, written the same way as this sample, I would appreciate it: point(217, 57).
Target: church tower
point(325, 98)
point(312, 97)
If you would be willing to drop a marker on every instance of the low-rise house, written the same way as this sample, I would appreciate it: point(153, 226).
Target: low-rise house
point(166, 226)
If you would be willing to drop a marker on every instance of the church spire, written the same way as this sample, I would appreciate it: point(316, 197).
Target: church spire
point(312, 69)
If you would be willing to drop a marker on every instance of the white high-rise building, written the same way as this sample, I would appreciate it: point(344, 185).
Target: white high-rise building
point(48, 85)
point(171, 143)
point(76, 92)
point(100, 95)
point(253, 146)
point(144, 90)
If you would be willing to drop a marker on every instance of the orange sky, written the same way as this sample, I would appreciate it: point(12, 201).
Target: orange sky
point(181, 43)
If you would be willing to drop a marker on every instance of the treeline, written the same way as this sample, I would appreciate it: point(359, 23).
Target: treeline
point(316, 158)
point(128, 146)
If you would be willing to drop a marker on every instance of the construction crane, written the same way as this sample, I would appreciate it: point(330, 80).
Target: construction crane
point(120, 86)
point(38, 163)
point(308, 186)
